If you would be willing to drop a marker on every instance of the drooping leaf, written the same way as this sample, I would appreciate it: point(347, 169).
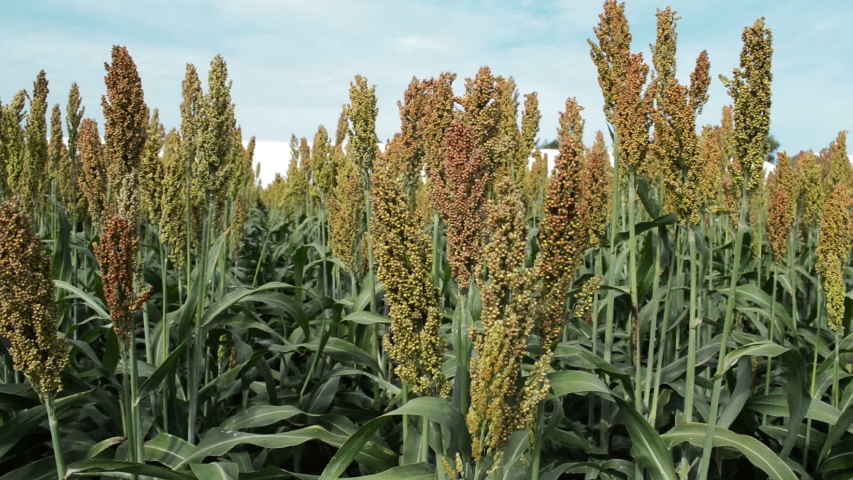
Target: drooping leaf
point(759, 454)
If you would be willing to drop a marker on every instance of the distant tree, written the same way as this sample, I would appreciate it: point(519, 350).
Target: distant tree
point(552, 144)
point(771, 144)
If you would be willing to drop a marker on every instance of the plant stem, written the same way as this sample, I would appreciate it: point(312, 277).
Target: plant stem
point(632, 276)
point(664, 329)
point(814, 378)
point(135, 414)
point(611, 278)
point(653, 323)
point(54, 435)
point(536, 452)
point(198, 334)
point(705, 463)
point(599, 268)
point(164, 329)
point(691, 345)
point(772, 338)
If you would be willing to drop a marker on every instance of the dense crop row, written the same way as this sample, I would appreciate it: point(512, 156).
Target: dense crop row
point(437, 309)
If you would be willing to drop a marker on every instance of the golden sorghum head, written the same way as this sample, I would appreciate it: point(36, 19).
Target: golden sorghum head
point(750, 90)
point(402, 253)
point(437, 117)
point(584, 299)
point(700, 80)
point(677, 145)
point(73, 116)
point(173, 226)
point(482, 112)
point(833, 252)
point(346, 213)
point(295, 189)
point(786, 177)
point(13, 141)
point(27, 306)
point(116, 254)
point(362, 113)
point(423, 203)
point(460, 196)
point(836, 164)
point(413, 111)
point(216, 126)
point(559, 232)
point(126, 117)
point(536, 180)
point(507, 320)
point(596, 184)
point(529, 129)
point(507, 145)
point(611, 53)
point(54, 147)
point(191, 106)
point(632, 113)
point(663, 51)
point(92, 179)
point(563, 232)
point(36, 134)
point(710, 158)
point(780, 219)
point(150, 173)
point(812, 195)
point(323, 160)
point(342, 129)
point(305, 160)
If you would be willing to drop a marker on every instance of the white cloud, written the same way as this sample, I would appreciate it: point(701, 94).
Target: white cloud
point(417, 42)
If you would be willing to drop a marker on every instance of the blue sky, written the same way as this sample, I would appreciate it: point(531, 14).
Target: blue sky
point(292, 60)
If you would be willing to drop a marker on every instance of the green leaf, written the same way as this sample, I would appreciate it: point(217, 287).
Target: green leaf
point(366, 318)
point(416, 471)
point(216, 470)
point(646, 193)
point(836, 431)
point(232, 298)
point(114, 468)
point(15, 429)
point(41, 469)
point(91, 301)
point(643, 227)
point(99, 447)
point(344, 351)
point(648, 448)
point(152, 383)
point(776, 405)
point(260, 416)
point(568, 382)
point(753, 293)
point(759, 454)
point(437, 410)
point(218, 442)
point(739, 395)
point(167, 449)
point(798, 397)
point(580, 357)
point(763, 348)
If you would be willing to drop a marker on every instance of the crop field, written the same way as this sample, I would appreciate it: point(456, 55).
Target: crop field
point(661, 304)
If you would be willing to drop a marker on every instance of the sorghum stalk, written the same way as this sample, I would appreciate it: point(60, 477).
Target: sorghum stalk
point(609, 55)
point(833, 253)
point(116, 253)
point(663, 340)
point(750, 89)
point(28, 312)
point(362, 113)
